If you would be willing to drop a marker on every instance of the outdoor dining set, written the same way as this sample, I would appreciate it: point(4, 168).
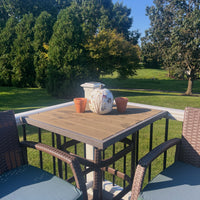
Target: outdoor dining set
point(23, 181)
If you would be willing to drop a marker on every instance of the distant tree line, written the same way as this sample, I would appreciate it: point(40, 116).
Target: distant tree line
point(173, 40)
point(60, 44)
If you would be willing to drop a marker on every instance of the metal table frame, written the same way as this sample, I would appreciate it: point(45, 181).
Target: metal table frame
point(98, 164)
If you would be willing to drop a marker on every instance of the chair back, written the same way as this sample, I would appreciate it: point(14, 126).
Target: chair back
point(10, 150)
point(190, 145)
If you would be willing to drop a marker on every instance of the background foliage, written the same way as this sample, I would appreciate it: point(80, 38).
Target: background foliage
point(60, 44)
point(173, 40)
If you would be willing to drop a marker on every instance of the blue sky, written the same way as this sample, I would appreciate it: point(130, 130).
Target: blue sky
point(138, 10)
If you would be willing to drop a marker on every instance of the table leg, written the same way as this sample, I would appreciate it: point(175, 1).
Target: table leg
point(90, 156)
point(58, 140)
point(97, 185)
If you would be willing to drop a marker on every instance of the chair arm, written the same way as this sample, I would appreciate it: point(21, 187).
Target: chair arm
point(65, 157)
point(145, 162)
point(152, 155)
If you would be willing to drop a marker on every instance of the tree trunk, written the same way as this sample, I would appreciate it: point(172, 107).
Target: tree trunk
point(189, 88)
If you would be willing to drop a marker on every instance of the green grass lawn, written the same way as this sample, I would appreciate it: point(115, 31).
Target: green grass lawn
point(22, 99)
point(153, 79)
point(145, 74)
point(157, 98)
point(25, 99)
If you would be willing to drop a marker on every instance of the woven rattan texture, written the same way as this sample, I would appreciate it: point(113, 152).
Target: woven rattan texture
point(13, 153)
point(10, 151)
point(188, 152)
point(190, 145)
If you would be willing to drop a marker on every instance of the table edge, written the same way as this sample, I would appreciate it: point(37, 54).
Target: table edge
point(100, 144)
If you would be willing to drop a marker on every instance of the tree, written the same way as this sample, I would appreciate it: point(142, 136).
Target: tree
point(134, 37)
point(24, 48)
point(117, 16)
point(7, 36)
point(158, 36)
point(110, 51)
point(121, 20)
point(66, 53)
point(150, 55)
point(175, 33)
point(186, 43)
point(18, 8)
point(106, 15)
point(80, 45)
point(22, 53)
point(3, 15)
point(63, 54)
point(43, 30)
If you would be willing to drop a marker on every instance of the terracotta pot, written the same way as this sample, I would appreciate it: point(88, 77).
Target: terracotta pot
point(80, 104)
point(121, 103)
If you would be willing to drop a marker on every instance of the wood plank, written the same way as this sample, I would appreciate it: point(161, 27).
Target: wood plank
point(93, 125)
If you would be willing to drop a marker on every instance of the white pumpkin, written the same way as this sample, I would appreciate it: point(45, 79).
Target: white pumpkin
point(101, 101)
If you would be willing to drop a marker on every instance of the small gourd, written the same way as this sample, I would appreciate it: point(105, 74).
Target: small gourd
point(101, 101)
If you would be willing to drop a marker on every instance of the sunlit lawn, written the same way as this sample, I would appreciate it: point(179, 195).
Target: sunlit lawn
point(157, 98)
point(152, 79)
point(22, 99)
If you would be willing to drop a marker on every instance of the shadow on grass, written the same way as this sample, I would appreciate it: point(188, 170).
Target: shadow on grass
point(131, 93)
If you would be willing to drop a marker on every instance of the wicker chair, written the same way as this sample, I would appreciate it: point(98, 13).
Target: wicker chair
point(181, 180)
point(18, 180)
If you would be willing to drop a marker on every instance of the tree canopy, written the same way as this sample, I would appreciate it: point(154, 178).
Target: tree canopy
point(109, 45)
point(23, 73)
point(174, 36)
point(60, 44)
point(80, 49)
point(7, 36)
point(43, 30)
point(18, 8)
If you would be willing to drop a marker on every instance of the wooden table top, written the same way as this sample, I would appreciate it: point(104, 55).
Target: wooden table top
point(97, 130)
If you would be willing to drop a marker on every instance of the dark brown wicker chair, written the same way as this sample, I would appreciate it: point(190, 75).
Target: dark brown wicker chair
point(181, 180)
point(18, 180)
